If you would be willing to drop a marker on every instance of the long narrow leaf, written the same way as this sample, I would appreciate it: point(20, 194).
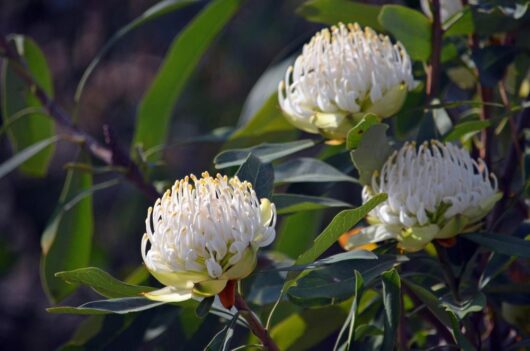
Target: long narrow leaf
point(183, 56)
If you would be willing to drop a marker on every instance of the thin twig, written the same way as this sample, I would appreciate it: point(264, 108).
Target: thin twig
point(254, 324)
point(434, 69)
point(111, 156)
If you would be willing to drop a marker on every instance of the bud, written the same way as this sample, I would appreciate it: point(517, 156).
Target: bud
point(434, 192)
point(342, 74)
point(203, 234)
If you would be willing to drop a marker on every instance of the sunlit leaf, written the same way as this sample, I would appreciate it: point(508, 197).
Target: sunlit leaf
point(156, 107)
point(102, 282)
point(465, 128)
point(341, 223)
point(355, 134)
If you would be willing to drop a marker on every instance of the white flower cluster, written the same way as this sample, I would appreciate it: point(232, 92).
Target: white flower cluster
point(434, 192)
point(204, 233)
point(341, 72)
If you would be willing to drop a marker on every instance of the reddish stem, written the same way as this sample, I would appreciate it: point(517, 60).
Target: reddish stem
point(255, 324)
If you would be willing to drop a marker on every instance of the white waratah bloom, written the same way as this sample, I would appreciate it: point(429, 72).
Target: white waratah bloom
point(204, 233)
point(342, 74)
point(434, 192)
point(448, 8)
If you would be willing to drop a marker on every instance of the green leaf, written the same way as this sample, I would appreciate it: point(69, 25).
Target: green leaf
point(203, 308)
point(296, 233)
point(221, 341)
point(462, 308)
point(307, 169)
point(24, 155)
point(289, 203)
point(334, 11)
point(259, 174)
point(335, 282)
point(102, 282)
point(152, 13)
point(267, 152)
point(410, 27)
point(460, 24)
point(496, 265)
point(17, 95)
point(392, 303)
point(501, 243)
point(121, 305)
point(463, 342)
point(430, 300)
point(305, 329)
point(338, 226)
point(268, 122)
point(465, 128)
point(372, 152)
point(156, 107)
point(67, 240)
point(365, 330)
point(355, 134)
point(351, 321)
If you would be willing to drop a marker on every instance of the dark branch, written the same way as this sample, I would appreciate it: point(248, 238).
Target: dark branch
point(111, 155)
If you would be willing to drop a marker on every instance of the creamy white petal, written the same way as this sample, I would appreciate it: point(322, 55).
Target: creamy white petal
point(427, 187)
point(341, 71)
point(201, 227)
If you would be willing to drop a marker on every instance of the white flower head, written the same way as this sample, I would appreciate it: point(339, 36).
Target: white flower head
point(435, 191)
point(448, 8)
point(343, 73)
point(204, 233)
